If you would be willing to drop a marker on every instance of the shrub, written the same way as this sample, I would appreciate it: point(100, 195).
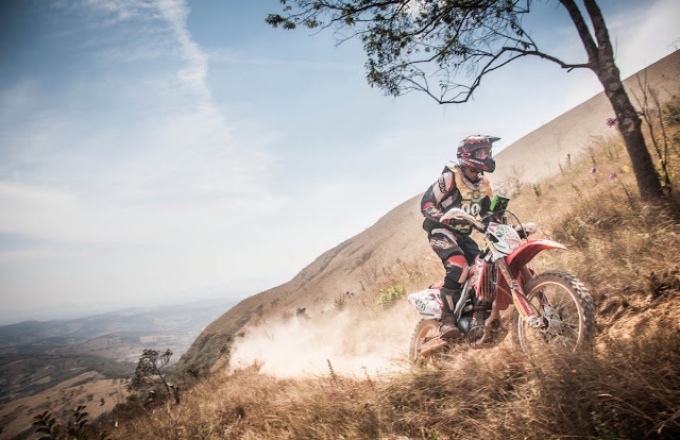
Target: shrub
point(389, 296)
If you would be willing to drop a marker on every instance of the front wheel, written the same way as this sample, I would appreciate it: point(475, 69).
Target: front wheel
point(566, 309)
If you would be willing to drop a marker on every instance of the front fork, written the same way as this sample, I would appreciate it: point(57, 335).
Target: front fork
point(526, 310)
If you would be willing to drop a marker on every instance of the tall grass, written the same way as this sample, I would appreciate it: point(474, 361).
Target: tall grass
point(628, 387)
point(631, 389)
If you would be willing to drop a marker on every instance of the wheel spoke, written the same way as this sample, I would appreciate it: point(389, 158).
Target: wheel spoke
point(557, 297)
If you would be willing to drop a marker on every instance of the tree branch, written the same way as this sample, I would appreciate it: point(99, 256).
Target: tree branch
point(583, 32)
point(547, 57)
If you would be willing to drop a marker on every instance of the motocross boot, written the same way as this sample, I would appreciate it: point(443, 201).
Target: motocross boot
point(448, 328)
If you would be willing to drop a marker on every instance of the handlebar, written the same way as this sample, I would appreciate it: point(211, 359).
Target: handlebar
point(460, 215)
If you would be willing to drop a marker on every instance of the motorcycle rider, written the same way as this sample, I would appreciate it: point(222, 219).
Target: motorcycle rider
point(461, 186)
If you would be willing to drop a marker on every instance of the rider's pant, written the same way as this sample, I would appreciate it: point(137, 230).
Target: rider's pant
point(456, 251)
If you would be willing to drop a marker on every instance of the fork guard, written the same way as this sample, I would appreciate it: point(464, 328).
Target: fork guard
point(517, 263)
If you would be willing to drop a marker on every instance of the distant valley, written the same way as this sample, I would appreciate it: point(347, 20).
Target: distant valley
point(76, 361)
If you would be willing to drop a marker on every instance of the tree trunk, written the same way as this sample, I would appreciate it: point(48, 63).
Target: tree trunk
point(630, 127)
point(601, 58)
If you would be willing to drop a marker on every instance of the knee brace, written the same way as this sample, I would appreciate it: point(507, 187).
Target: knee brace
point(456, 271)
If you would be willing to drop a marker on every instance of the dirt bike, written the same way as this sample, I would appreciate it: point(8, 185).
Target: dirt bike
point(551, 309)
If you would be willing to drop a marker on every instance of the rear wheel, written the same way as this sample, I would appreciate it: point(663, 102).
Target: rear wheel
point(567, 313)
point(425, 332)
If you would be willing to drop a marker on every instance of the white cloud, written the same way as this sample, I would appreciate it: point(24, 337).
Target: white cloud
point(176, 13)
point(117, 11)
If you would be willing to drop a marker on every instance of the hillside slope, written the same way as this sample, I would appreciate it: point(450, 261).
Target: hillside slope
point(540, 153)
point(352, 274)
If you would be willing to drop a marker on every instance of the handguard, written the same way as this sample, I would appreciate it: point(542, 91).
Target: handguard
point(525, 229)
point(460, 215)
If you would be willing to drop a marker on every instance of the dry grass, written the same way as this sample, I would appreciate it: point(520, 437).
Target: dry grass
point(629, 390)
point(627, 387)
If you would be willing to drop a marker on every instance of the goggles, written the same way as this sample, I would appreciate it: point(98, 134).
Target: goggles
point(482, 153)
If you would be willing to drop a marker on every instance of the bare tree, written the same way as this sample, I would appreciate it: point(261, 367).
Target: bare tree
point(149, 371)
point(429, 45)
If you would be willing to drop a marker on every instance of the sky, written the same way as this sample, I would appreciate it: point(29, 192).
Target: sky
point(160, 151)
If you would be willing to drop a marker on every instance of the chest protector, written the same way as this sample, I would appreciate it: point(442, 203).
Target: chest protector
point(473, 199)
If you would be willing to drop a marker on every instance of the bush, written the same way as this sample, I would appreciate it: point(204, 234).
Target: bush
point(389, 296)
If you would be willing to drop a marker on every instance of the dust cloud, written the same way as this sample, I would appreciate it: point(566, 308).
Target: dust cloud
point(374, 342)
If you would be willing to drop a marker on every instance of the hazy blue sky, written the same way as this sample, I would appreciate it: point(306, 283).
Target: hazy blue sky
point(158, 150)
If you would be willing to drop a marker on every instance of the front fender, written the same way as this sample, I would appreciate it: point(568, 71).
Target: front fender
point(527, 251)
